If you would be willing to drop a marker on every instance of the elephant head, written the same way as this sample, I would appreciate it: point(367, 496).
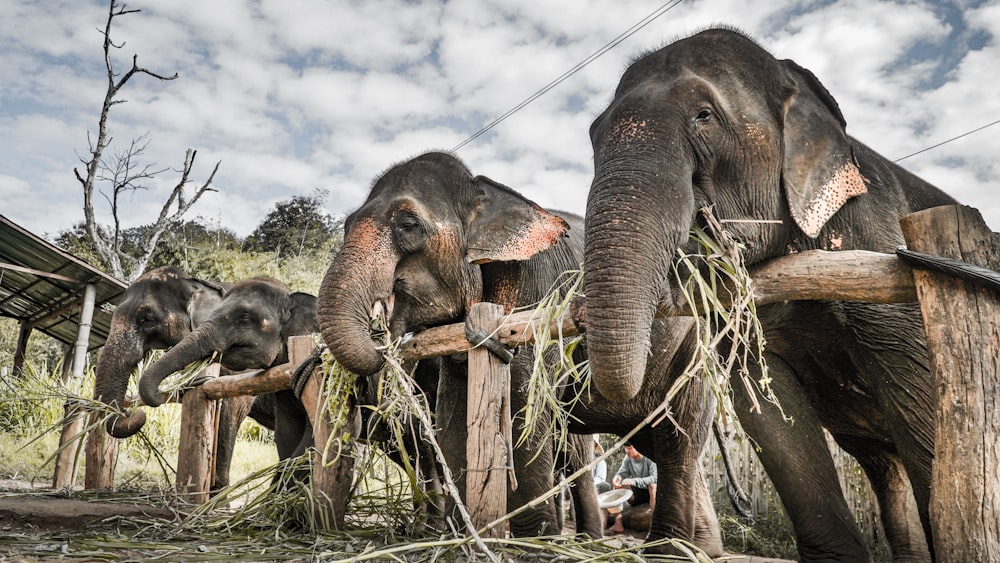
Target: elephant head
point(711, 120)
point(248, 329)
point(155, 312)
point(414, 250)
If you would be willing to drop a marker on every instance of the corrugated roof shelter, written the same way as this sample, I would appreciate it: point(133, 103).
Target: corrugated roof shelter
point(44, 288)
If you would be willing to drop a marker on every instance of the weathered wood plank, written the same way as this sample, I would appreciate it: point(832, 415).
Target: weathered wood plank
point(331, 478)
point(962, 322)
point(817, 274)
point(101, 452)
point(486, 446)
point(196, 454)
point(250, 382)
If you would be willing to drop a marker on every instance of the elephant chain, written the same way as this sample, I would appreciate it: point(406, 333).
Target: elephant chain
point(478, 336)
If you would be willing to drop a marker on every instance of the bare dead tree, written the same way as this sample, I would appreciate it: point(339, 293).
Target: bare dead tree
point(125, 174)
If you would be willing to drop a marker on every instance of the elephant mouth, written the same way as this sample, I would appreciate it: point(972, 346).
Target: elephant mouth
point(241, 357)
point(380, 318)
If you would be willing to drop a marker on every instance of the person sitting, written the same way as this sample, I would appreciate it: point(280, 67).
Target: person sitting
point(601, 468)
point(637, 472)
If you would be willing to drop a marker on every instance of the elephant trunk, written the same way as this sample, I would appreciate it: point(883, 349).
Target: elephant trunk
point(195, 346)
point(118, 358)
point(629, 249)
point(360, 276)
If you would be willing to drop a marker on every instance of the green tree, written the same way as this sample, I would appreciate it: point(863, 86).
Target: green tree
point(189, 244)
point(297, 227)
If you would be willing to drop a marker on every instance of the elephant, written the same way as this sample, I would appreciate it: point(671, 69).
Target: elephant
point(248, 329)
point(431, 240)
point(155, 312)
point(715, 121)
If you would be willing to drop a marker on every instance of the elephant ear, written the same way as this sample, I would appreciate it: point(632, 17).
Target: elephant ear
point(819, 171)
point(505, 226)
point(302, 318)
point(203, 298)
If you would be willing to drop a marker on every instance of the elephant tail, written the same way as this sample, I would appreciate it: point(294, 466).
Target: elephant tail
point(737, 496)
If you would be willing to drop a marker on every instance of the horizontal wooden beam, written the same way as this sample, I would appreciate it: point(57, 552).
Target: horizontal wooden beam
point(869, 277)
point(250, 382)
point(849, 275)
point(854, 275)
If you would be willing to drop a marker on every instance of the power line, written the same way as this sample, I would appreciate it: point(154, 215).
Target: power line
point(948, 141)
point(611, 45)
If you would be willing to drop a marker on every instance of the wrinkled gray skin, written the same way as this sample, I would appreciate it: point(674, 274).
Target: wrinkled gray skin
point(431, 240)
point(714, 120)
point(248, 329)
point(683, 507)
point(156, 311)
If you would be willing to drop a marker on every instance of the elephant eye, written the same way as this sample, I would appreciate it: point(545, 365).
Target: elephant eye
point(704, 114)
point(409, 232)
point(147, 320)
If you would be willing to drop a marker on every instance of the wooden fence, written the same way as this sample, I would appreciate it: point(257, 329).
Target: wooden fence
point(962, 322)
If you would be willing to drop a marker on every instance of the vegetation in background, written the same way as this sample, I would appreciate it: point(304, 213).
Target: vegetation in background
point(298, 227)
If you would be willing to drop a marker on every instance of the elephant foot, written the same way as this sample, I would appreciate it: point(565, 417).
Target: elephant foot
point(712, 551)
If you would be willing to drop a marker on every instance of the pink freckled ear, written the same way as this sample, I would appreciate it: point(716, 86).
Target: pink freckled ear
point(509, 227)
point(816, 206)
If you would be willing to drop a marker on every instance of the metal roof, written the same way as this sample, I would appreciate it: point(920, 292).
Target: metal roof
point(43, 286)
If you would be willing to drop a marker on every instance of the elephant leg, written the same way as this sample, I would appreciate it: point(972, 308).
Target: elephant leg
point(798, 461)
point(292, 431)
point(231, 414)
point(897, 505)
point(452, 429)
point(901, 380)
point(533, 462)
point(262, 410)
point(588, 517)
point(680, 511)
point(290, 422)
point(707, 532)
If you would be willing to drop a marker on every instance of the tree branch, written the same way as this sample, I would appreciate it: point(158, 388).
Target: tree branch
point(125, 174)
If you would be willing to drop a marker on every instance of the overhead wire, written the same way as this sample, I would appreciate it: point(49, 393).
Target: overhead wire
point(579, 66)
point(662, 9)
point(948, 141)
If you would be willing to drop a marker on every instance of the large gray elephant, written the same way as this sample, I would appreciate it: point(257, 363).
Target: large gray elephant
point(156, 311)
point(714, 120)
point(248, 329)
point(431, 240)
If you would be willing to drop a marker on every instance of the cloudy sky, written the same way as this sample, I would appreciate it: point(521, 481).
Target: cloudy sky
point(298, 95)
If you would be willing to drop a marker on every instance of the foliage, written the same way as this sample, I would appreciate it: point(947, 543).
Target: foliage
point(296, 227)
point(42, 352)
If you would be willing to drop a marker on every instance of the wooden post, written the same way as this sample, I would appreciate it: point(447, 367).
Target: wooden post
point(66, 465)
point(101, 452)
point(196, 454)
point(487, 446)
point(331, 479)
point(962, 323)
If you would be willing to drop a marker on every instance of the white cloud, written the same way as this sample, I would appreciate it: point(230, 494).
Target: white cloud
point(302, 94)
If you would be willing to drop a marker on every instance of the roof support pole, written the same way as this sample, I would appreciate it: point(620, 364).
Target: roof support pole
point(22, 347)
point(67, 462)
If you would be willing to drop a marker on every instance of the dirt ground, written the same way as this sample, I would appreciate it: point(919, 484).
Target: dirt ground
point(39, 524)
point(28, 508)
